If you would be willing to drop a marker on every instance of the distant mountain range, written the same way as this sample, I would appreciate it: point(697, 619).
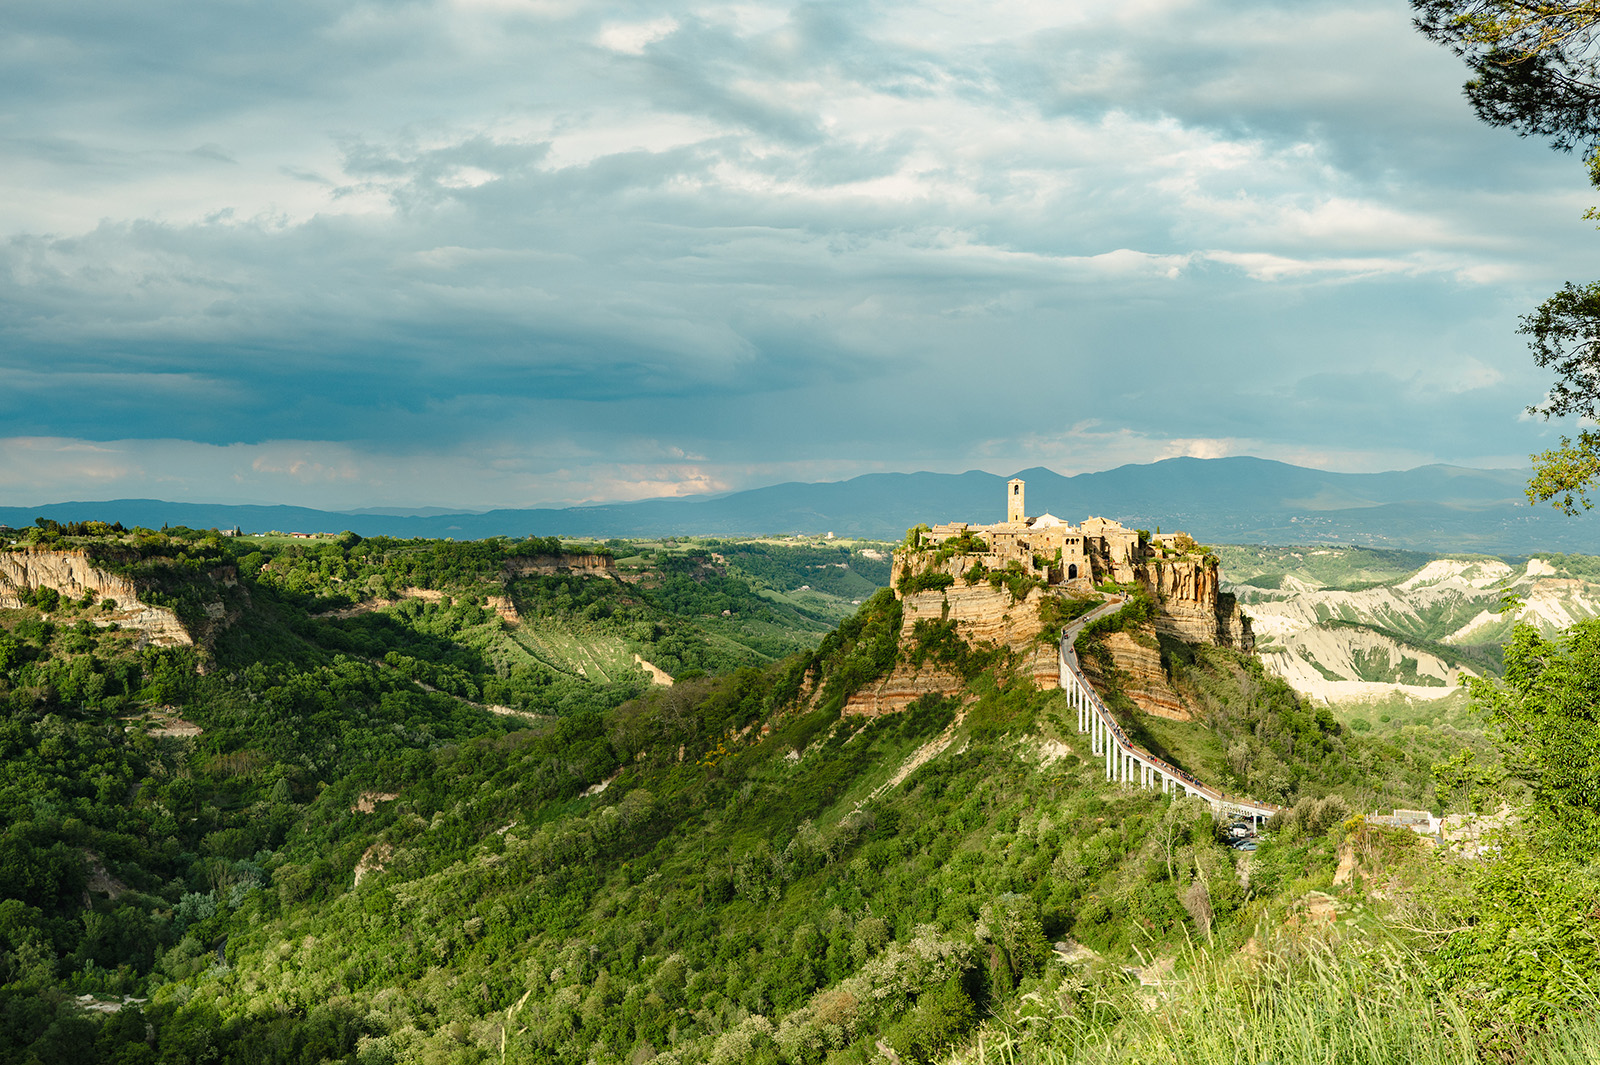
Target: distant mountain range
point(1231, 500)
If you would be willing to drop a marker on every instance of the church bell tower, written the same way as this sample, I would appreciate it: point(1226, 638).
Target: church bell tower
point(1014, 508)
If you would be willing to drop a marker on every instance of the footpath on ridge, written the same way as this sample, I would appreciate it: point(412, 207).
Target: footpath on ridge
point(1125, 761)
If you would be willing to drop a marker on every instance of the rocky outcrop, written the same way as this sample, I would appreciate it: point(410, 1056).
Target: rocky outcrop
point(505, 608)
point(979, 611)
point(1143, 678)
point(1187, 588)
point(902, 687)
point(1050, 558)
point(982, 615)
point(69, 572)
point(74, 575)
point(549, 565)
point(1193, 606)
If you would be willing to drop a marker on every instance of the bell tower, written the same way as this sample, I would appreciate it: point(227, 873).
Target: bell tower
point(1014, 508)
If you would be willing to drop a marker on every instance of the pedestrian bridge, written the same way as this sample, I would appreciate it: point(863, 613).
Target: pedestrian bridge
point(1125, 762)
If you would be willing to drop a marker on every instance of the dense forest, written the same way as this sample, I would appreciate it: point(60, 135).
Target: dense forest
point(374, 819)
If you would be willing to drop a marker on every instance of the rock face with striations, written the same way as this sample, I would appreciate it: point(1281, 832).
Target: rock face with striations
point(982, 615)
point(1143, 677)
point(74, 575)
point(550, 565)
point(1193, 606)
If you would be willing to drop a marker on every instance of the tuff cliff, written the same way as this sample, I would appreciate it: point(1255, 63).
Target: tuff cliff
point(550, 565)
point(1193, 606)
point(74, 574)
point(983, 615)
point(989, 581)
point(1187, 589)
point(1139, 672)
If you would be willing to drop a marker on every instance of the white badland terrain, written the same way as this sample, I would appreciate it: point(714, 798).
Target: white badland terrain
point(1415, 633)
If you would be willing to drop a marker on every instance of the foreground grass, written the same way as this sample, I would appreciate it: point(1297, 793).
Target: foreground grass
point(1301, 1003)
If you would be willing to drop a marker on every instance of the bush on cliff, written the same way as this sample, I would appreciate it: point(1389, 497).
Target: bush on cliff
point(930, 581)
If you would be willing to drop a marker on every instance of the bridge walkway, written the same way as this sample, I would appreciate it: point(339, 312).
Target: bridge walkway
point(1125, 761)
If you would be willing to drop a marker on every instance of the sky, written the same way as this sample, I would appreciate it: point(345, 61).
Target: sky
point(508, 253)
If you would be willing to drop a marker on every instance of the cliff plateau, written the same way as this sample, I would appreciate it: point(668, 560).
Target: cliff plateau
point(74, 575)
point(991, 582)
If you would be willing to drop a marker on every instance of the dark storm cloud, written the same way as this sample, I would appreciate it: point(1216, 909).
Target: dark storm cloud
point(532, 249)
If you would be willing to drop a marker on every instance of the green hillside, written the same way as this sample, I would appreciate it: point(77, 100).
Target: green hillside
point(373, 825)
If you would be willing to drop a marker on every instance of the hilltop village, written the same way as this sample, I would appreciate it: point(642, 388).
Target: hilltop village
point(1046, 548)
point(987, 583)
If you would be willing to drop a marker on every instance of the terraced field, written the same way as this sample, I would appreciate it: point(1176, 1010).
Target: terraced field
point(600, 657)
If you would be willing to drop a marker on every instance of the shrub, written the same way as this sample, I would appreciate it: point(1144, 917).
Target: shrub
point(932, 581)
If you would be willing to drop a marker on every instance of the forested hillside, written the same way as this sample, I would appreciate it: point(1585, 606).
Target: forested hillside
point(421, 801)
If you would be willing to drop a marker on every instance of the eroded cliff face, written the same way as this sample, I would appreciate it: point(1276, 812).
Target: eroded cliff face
point(68, 572)
point(1187, 591)
point(74, 575)
point(1193, 606)
point(982, 614)
point(549, 565)
point(1143, 677)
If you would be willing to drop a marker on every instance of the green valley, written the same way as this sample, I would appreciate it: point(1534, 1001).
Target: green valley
point(380, 801)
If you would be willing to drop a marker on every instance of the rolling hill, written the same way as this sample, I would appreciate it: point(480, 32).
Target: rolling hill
point(1231, 500)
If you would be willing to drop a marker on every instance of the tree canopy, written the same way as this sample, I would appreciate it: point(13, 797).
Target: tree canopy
point(1550, 720)
point(1534, 64)
point(1565, 335)
point(1536, 69)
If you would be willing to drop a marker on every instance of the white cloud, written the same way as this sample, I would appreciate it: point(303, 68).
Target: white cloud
point(1265, 266)
point(707, 243)
point(633, 38)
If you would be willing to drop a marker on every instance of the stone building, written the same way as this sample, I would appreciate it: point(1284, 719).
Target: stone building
point(1045, 547)
point(961, 574)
